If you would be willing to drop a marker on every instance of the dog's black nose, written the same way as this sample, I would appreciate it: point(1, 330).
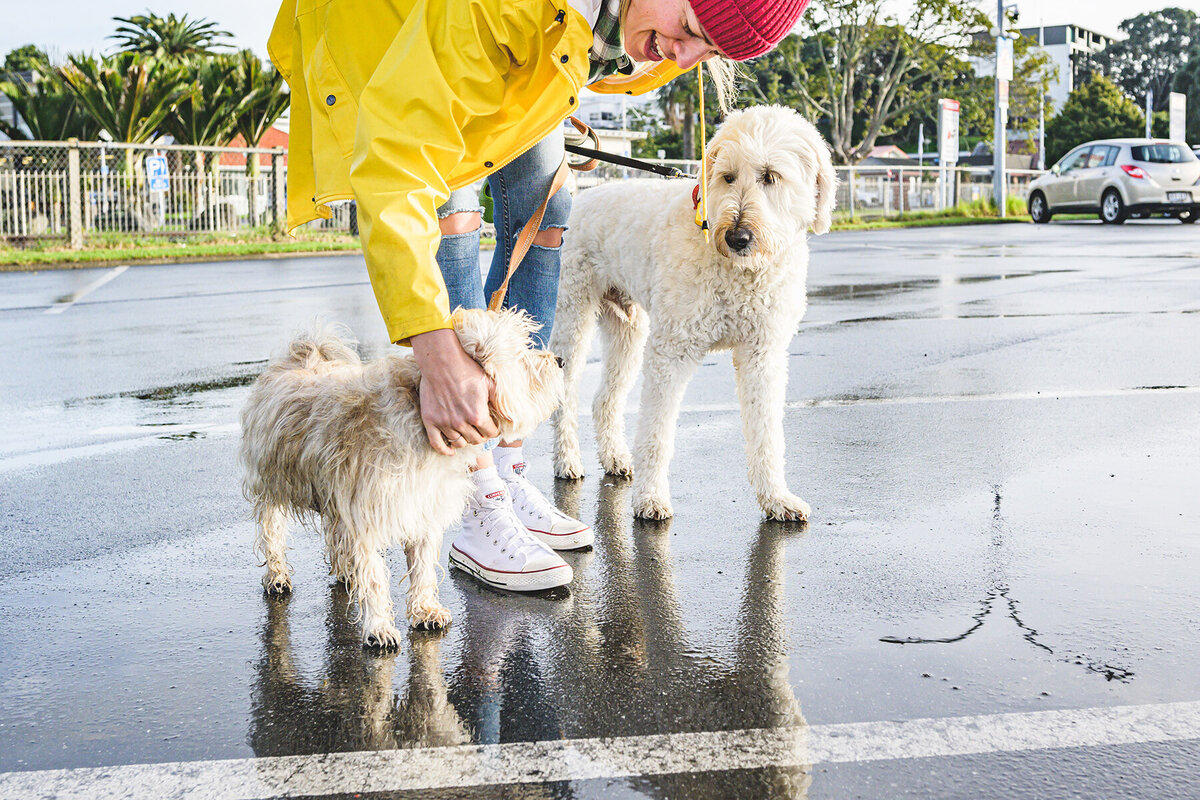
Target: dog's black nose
point(738, 239)
point(561, 363)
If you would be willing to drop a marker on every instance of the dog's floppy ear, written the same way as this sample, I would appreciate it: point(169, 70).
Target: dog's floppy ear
point(710, 158)
point(826, 186)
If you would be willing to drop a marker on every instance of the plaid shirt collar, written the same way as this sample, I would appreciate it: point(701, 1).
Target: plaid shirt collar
point(607, 54)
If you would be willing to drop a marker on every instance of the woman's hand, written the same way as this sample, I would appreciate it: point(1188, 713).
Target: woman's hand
point(454, 393)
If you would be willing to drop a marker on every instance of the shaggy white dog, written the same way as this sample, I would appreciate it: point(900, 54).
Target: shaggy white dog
point(637, 261)
point(327, 437)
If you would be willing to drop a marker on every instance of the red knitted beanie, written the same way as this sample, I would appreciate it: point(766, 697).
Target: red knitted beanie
point(743, 29)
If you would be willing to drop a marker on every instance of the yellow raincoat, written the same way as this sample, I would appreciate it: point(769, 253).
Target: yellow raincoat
point(397, 102)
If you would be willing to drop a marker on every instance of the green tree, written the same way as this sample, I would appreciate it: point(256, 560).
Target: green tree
point(1156, 47)
point(128, 96)
point(1187, 81)
point(203, 113)
point(48, 108)
point(1096, 110)
point(264, 98)
point(169, 37)
point(863, 70)
point(26, 58)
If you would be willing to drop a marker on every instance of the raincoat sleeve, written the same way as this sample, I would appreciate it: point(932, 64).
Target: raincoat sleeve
point(446, 66)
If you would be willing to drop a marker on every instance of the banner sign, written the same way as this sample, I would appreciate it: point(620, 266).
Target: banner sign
point(1178, 106)
point(947, 131)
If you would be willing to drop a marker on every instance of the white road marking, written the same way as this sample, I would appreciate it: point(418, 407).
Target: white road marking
point(72, 299)
point(583, 759)
point(914, 400)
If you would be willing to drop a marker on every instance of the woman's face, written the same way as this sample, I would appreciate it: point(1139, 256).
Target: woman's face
point(658, 29)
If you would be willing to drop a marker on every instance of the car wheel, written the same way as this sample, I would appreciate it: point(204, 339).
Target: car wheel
point(1038, 210)
point(1112, 209)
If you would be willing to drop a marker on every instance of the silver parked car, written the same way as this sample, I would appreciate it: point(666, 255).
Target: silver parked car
point(1119, 179)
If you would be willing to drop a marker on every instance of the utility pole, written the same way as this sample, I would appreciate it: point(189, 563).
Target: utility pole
point(921, 143)
point(1041, 103)
point(1149, 110)
point(1003, 76)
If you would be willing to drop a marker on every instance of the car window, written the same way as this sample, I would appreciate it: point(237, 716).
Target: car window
point(1096, 156)
point(1111, 159)
point(1162, 153)
point(1077, 160)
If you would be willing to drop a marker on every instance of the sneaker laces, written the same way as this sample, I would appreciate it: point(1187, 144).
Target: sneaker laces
point(527, 496)
point(500, 525)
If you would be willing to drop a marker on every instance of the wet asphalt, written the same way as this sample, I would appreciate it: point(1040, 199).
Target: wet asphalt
point(998, 428)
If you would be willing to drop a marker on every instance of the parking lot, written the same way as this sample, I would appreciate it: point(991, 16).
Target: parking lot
point(997, 426)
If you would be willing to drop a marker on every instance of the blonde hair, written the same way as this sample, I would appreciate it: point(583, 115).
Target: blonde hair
point(721, 70)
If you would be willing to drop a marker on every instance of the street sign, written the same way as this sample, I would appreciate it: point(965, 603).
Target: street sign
point(1178, 106)
point(948, 131)
point(1004, 59)
point(156, 173)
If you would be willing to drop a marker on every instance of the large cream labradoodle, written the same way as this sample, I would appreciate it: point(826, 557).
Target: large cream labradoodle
point(328, 438)
point(636, 260)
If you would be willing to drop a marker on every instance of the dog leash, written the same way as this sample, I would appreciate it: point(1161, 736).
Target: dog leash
point(596, 154)
point(525, 238)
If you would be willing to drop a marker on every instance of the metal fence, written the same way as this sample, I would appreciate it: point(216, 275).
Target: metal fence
point(872, 190)
point(75, 190)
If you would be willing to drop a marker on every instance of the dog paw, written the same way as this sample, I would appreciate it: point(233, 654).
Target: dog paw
point(786, 508)
point(617, 464)
point(384, 637)
point(568, 466)
point(277, 583)
point(430, 618)
point(652, 507)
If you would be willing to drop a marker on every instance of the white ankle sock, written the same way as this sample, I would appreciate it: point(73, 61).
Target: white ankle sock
point(487, 484)
point(510, 461)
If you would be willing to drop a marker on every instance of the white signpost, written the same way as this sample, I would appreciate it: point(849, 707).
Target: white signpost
point(947, 144)
point(1004, 59)
point(1178, 106)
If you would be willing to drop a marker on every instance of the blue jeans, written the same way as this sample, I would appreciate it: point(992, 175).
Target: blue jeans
point(517, 191)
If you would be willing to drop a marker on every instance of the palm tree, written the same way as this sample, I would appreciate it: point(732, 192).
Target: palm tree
point(169, 37)
point(127, 95)
point(264, 99)
point(205, 117)
point(204, 114)
point(49, 109)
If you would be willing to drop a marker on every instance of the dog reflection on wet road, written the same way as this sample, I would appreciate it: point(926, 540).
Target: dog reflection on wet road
point(611, 659)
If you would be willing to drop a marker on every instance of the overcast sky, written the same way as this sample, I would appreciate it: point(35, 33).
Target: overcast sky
point(63, 26)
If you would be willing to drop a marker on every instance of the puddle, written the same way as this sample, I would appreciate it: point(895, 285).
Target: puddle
point(99, 425)
point(859, 291)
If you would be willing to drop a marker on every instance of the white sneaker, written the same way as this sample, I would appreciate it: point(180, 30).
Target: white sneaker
point(497, 549)
point(542, 519)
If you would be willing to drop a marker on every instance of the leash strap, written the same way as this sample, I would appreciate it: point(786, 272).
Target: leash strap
point(702, 209)
point(525, 239)
point(613, 158)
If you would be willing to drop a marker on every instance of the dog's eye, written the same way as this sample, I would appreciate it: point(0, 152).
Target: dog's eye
point(730, 177)
point(768, 178)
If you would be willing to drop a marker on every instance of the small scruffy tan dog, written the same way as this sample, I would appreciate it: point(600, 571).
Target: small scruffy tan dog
point(636, 261)
point(327, 437)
